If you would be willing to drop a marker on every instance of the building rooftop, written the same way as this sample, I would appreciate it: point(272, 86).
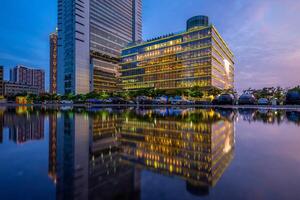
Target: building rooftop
point(193, 23)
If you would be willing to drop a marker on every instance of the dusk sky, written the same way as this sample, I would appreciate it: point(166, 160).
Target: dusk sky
point(264, 35)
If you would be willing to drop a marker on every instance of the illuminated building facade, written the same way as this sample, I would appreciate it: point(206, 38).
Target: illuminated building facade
point(21, 75)
point(52, 147)
point(91, 34)
point(198, 152)
point(102, 155)
point(118, 180)
point(13, 88)
point(197, 57)
point(53, 63)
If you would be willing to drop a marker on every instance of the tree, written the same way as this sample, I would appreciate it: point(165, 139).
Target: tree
point(196, 92)
point(279, 94)
point(175, 92)
point(231, 91)
point(104, 95)
point(32, 97)
point(297, 89)
point(132, 94)
point(214, 92)
point(92, 95)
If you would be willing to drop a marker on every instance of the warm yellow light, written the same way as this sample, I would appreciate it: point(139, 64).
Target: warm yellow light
point(227, 66)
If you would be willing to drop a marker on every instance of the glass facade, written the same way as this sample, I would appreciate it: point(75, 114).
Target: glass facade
point(91, 34)
point(73, 47)
point(105, 75)
point(113, 24)
point(197, 57)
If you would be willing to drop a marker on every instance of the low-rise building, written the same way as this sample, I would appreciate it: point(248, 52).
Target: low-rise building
point(196, 57)
point(28, 76)
point(13, 88)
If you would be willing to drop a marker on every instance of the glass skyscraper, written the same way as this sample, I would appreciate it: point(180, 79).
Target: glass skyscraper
point(196, 57)
point(91, 34)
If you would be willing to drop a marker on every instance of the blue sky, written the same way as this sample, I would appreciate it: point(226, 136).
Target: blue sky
point(264, 35)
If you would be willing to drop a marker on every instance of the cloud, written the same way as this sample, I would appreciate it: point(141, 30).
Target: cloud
point(264, 38)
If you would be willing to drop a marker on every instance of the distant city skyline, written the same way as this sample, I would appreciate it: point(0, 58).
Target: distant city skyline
point(263, 35)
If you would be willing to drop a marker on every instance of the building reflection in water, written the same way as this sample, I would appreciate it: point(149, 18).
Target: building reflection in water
point(1, 124)
point(23, 126)
point(52, 147)
point(101, 155)
point(196, 146)
point(88, 164)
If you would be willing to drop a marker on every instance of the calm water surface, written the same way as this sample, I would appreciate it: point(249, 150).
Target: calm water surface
point(162, 153)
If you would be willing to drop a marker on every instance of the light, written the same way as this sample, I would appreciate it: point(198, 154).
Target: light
point(227, 66)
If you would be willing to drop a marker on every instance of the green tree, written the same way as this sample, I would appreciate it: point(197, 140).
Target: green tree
point(214, 92)
point(132, 94)
point(104, 95)
point(92, 95)
point(174, 92)
point(297, 89)
point(196, 92)
point(32, 97)
point(160, 92)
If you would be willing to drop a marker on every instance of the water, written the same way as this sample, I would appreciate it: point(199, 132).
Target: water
point(174, 153)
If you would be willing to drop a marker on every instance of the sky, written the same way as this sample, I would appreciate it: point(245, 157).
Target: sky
point(263, 35)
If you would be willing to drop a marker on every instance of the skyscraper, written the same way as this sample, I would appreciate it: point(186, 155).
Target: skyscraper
point(53, 63)
point(28, 76)
point(91, 34)
point(1, 81)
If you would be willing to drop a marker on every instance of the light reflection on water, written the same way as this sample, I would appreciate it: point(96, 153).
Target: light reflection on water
point(161, 153)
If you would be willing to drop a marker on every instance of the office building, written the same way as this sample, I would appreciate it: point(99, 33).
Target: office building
point(196, 57)
point(13, 88)
point(91, 34)
point(1, 81)
point(25, 76)
point(53, 63)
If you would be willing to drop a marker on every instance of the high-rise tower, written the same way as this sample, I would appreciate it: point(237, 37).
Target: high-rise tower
point(91, 34)
point(1, 80)
point(53, 63)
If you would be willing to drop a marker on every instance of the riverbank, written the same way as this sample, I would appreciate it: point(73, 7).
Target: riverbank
point(268, 107)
